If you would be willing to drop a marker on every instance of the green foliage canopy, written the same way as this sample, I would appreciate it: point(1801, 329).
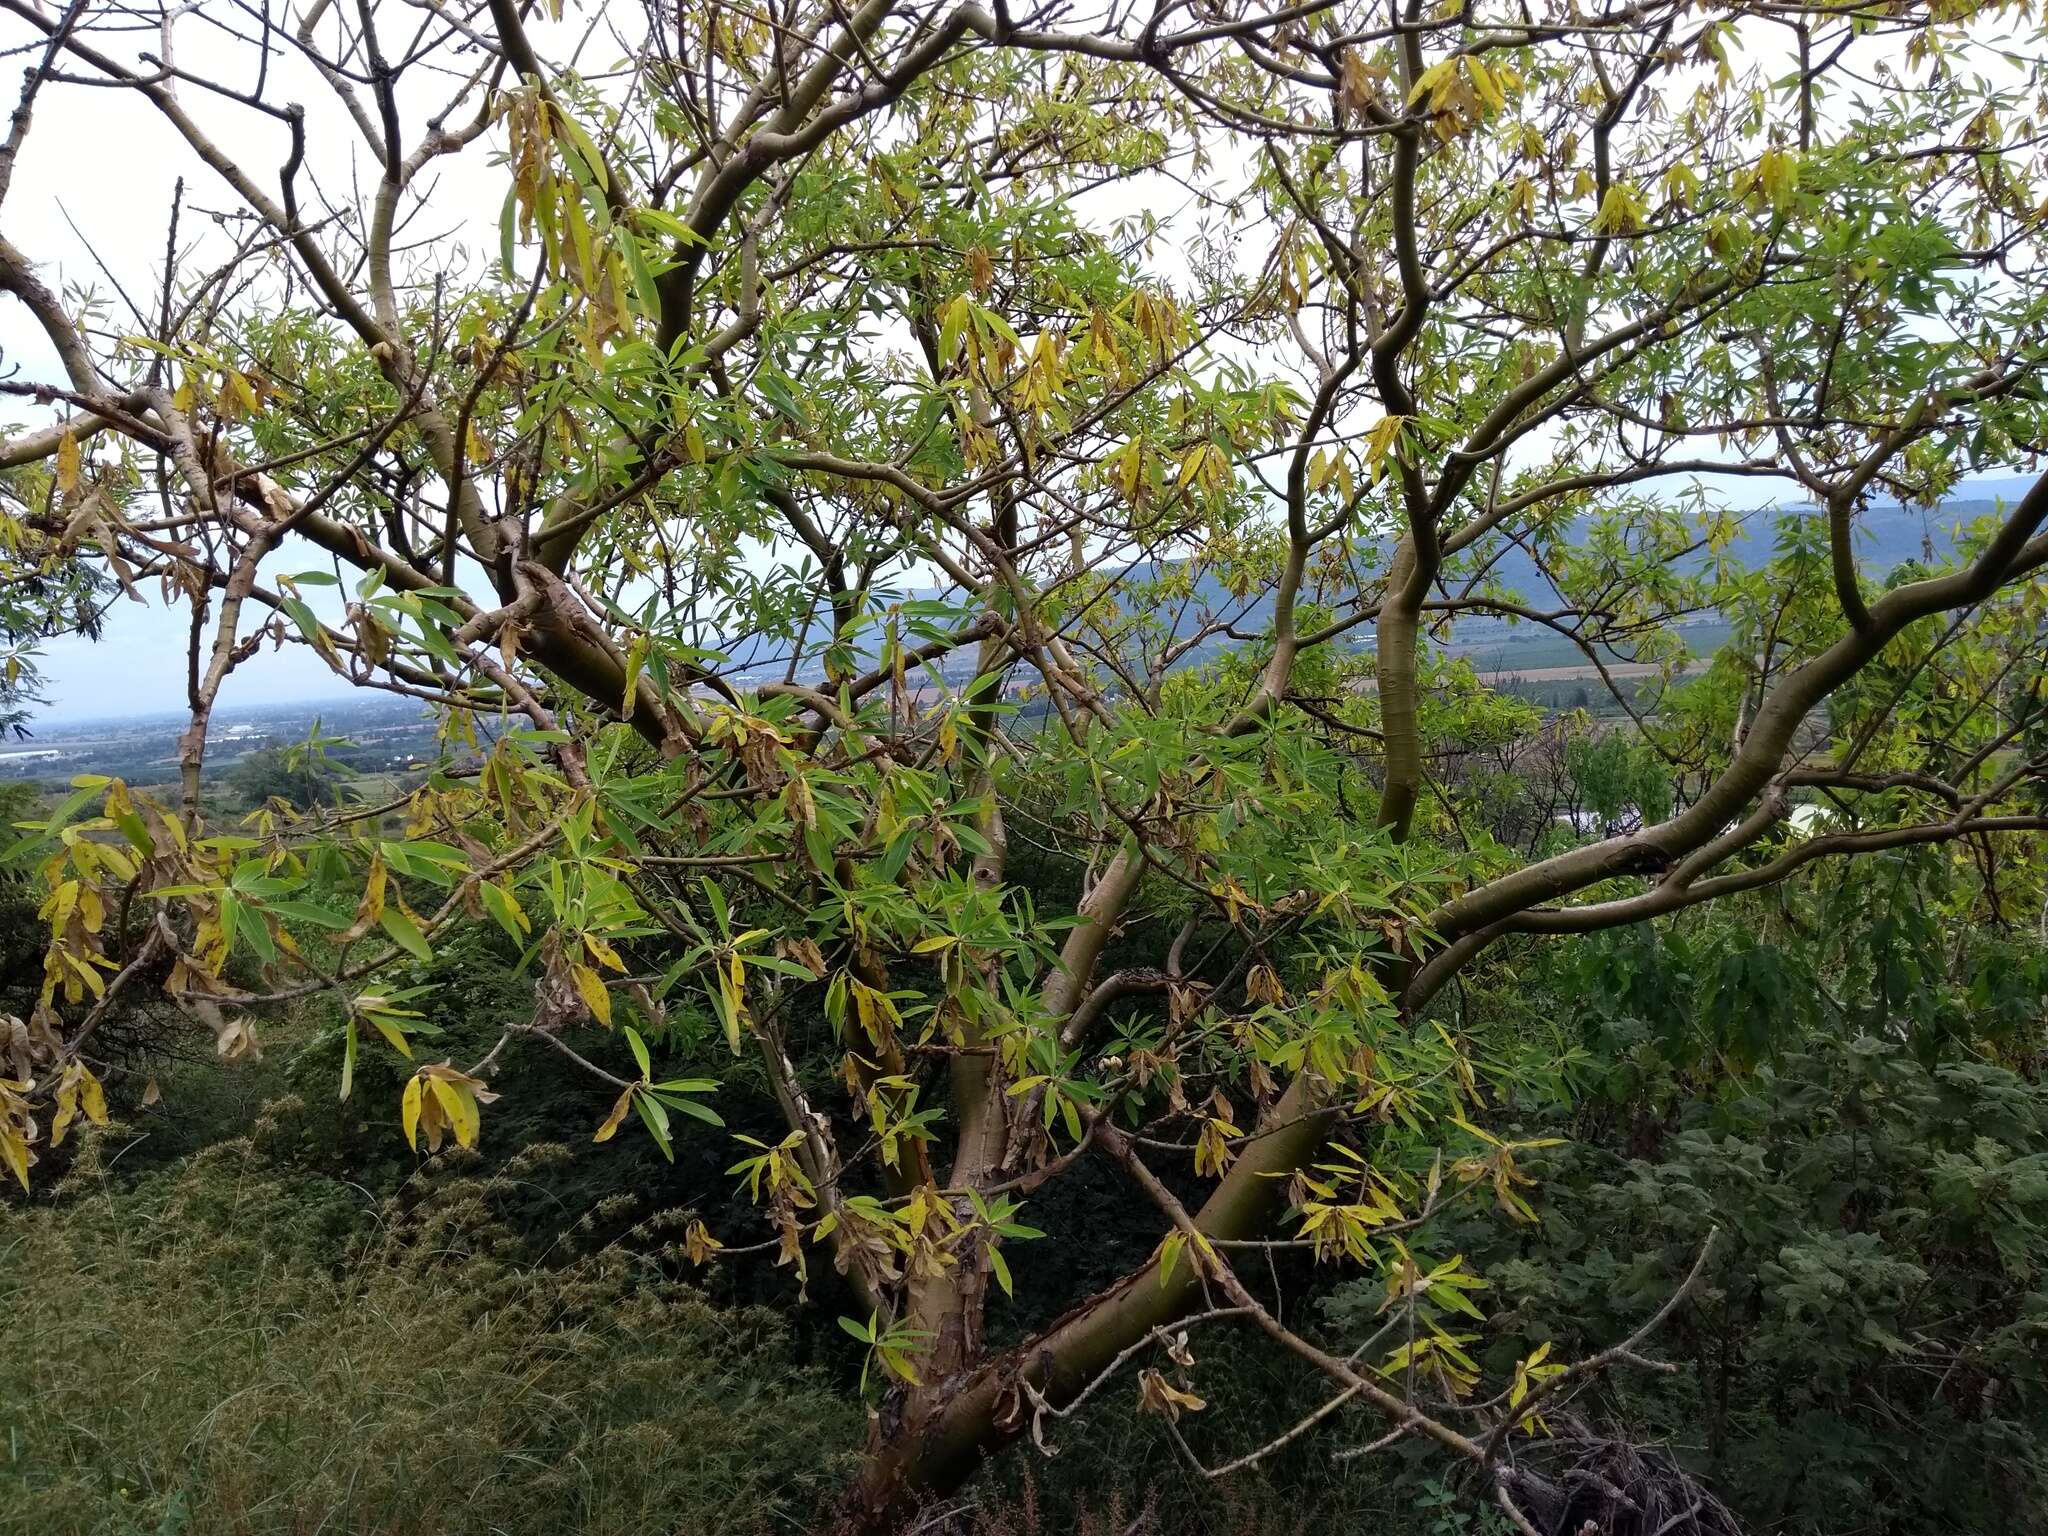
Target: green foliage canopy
point(834, 473)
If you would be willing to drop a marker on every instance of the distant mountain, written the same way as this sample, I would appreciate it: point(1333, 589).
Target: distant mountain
point(1887, 535)
point(2006, 488)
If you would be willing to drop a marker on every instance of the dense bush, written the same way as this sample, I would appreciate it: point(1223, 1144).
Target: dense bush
point(1865, 1353)
point(21, 933)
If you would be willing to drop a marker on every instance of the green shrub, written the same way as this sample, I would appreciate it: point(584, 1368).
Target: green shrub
point(22, 932)
point(1865, 1352)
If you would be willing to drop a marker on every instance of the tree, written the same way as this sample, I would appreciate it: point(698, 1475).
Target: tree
point(838, 469)
point(303, 775)
point(43, 592)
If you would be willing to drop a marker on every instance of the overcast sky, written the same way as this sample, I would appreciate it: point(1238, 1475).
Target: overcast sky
point(90, 204)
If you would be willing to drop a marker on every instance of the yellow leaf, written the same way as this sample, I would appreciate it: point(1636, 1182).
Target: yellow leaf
point(980, 268)
point(1158, 1395)
point(1621, 211)
point(460, 1107)
point(590, 987)
point(410, 1112)
point(1681, 183)
point(392, 1034)
point(68, 465)
point(1484, 83)
point(14, 1150)
point(1778, 175)
point(1380, 441)
point(1431, 79)
point(613, 1120)
point(67, 1109)
point(636, 660)
point(370, 911)
point(603, 952)
point(699, 1243)
point(899, 1365)
point(94, 1098)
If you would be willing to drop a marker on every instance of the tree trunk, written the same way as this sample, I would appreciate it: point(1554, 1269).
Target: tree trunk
point(929, 1440)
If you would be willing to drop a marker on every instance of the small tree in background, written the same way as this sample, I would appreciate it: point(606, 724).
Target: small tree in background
point(44, 591)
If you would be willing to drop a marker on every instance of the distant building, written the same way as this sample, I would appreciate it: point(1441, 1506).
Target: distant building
point(1808, 819)
point(1626, 823)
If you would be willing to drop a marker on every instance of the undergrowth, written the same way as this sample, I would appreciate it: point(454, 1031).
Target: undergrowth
point(233, 1346)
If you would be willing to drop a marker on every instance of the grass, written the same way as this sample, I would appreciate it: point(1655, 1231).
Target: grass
point(233, 1346)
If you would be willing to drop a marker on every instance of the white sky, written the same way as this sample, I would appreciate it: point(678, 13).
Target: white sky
point(96, 178)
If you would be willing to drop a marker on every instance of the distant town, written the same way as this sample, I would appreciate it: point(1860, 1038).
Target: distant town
point(382, 735)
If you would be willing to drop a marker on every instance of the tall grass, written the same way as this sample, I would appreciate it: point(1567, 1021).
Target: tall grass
point(232, 1346)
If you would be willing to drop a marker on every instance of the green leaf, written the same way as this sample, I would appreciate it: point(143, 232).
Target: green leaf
point(504, 909)
point(586, 150)
point(1169, 1255)
point(656, 1119)
point(405, 932)
point(694, 1110)
point(716, 898)
point(307, 912)
point(646, 292)
point(668, 224)
point(508, 229)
